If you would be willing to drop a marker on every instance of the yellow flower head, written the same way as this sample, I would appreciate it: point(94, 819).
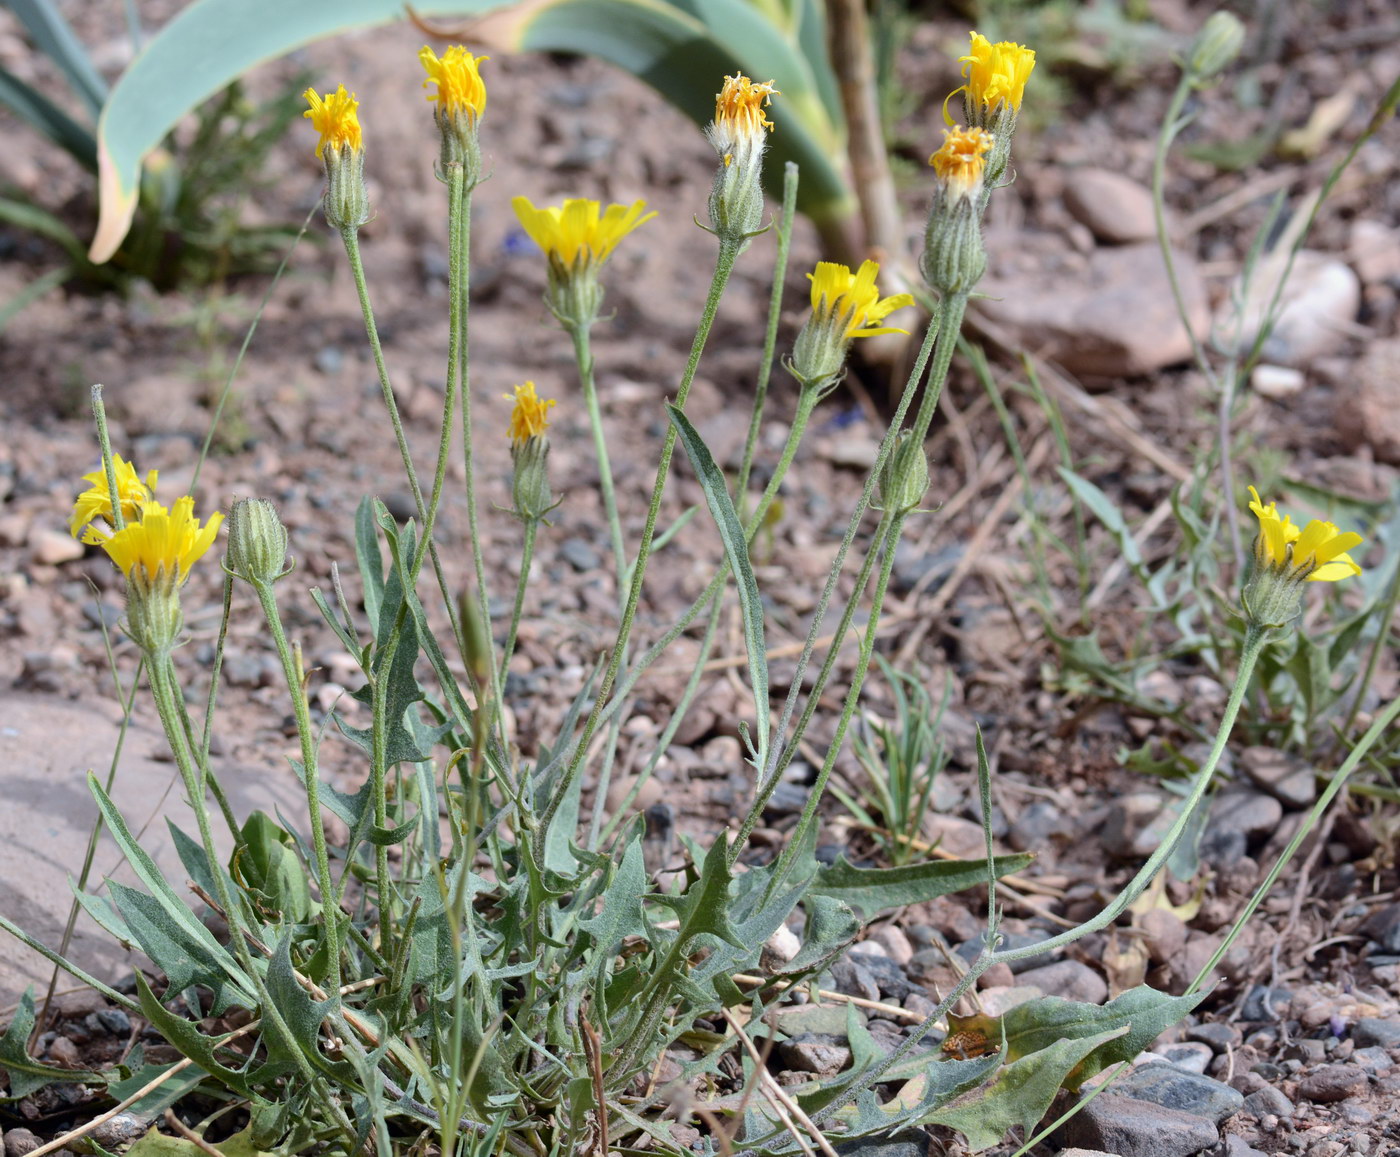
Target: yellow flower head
point(335, 119)
point(739, 108)
point(529, 417)
point(996, 74)
point(96, 501)
point(962, 160)
point(160, 547)
point(852, 300)
point(1316, 552)
point(579, 232)
point(459, 86)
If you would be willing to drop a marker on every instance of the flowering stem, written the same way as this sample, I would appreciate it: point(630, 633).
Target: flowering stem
point(527, 556)
point(724, 266)
point(459, 222)
point(887, 536)
point(329, 908)
point(584, 356)
point(104, 440)
point(352, 250)
point(770, 337)
point(165, 690)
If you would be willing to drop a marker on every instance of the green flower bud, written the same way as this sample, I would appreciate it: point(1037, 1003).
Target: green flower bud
point(1215, 47)
point(904, 477)
point(257, 542)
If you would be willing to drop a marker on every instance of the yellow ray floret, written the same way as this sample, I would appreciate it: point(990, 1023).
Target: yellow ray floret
point(854, 299)
point(529, 417)
point(459, 86)
point(1320, 547)
point(579, 231)
point(996, 73)
point(334, 117)
point(162, 545)
point(96, 501)
point(961, 160)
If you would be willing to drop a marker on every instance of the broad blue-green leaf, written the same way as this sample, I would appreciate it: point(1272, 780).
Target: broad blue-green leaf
point(871, 890)
point(1141, 1014)
point(184, 928)
point(621, 914)
point(736, 550)
point(26, 1074)
point(1019, 1094)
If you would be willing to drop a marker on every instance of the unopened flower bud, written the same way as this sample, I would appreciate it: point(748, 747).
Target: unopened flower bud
point(904, 478)
point(257, 541)
point(1215, 47)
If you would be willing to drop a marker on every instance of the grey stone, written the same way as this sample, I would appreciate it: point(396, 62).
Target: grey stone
point(1116, 317)
point(580, 555)
point(19, 1142)
point(1318, 307)
point(1266, 1004)
point(909, 1143)
point(1290, 780)
point(1135, 825)
point(1268, 1100)
point(1078, 1152)
point(1068, 979)
point(1372, 1058)
point(889, 976)
point(850, 976)
point(1330, 1083)
point(1115, 209)
point(1251, 813)
point(811, 1052)
point(1177, 1088)
point(1372, 1030)
point(1137, 1128)
point(1239, 1147)
point(1383, 926)
point(1192, 1056)
point(1219, 1036)
point(49, 812)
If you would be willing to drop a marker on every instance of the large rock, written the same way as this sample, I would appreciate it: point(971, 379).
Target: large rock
point(1314, 315)
point(1368, 410)
point(1133, 1128)
point(47, 747)
point(1115, 209)
point(1115, 317)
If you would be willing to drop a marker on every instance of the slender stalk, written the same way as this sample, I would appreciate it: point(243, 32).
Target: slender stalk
point(350, 237)
point(770, 336)
point(165, 690)
point(583, 355)
point(1338, 781)
point(895, 521)
point(292, 674)
point(109, 467)
point(527, 556)
point(1384, 618)
point(724, 266)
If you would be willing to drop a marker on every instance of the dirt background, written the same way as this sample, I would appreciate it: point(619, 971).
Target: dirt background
point(305, 428)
